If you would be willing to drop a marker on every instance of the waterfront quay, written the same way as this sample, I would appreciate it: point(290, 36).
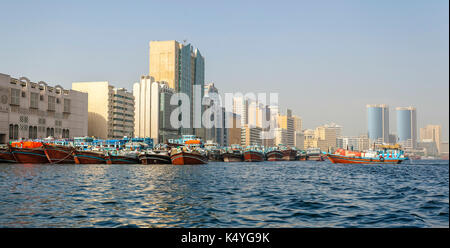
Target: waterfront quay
point(175, 86)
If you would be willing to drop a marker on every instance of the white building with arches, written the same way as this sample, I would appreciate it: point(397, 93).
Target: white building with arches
point(30, 110)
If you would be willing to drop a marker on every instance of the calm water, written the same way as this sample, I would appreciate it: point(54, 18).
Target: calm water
point(269, 194)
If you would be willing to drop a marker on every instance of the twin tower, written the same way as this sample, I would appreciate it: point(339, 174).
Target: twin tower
point(378, 125)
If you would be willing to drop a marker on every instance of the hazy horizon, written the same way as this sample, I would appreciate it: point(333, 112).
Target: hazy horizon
point(327, 59)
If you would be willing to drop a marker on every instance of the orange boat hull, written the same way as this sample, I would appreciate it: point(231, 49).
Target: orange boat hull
point(86, 157)
point(183, 158)
point(29, 155)
point(253, 156)
point(354, 160)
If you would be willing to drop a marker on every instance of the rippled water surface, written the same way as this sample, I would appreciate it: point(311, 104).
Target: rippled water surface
point(269, 194)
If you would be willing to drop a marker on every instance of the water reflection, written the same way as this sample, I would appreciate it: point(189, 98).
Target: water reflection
point(280, 194)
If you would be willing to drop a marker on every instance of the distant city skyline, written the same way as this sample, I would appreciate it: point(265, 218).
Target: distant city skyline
point(327, 60)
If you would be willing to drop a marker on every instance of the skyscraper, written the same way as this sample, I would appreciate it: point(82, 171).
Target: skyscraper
point(432, 132)
point(338, 128)
point(326, 137)
point(299, 140)
point(240, 107)
point(378, 122)
point(298, 124)
point(164, 62)
point(142, 93)
point(181, 67)
point(153, 110)
point(198, 79)
point(161, 109)
point(252, 114)
point(234, 132)
point(213, 133)
point(250, 135)
point(407, 126)
point(287, 122)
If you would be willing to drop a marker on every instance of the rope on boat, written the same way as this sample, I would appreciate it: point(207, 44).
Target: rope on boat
point(68, 155)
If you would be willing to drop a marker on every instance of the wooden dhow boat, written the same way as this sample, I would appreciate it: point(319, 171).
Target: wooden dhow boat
point(386, 154)
point(188, 151)
point(59, 154)
point(302, 155)
point(253, 154)
point(233, 154)
point(122, 158)
point(213, 152)
point(186, 156)
point(28, 152)
point(232, 157)
point(274, 154)
point(289, 154)
point(155, 157)
point(89, 157)
point(314, 154)
point(6, 155)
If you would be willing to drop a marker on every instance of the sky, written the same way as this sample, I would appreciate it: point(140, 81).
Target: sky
point(326, 59)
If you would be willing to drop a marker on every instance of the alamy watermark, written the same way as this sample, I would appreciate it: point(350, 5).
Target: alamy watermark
point(233, 110)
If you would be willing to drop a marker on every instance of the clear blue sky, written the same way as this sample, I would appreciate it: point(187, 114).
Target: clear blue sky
point(327, 59)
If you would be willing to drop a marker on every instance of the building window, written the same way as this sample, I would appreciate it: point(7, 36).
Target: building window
point(65, 133)
point(16, 131)
point(32, 132)
point(42, 121)
point(50, 132)
point(51, 103)
point(34, 100)
point(15, 97)
point(13, 132)
point(66, 105)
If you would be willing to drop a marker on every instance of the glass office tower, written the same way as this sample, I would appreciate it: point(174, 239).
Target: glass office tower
point(407, 126)
point(378, 123)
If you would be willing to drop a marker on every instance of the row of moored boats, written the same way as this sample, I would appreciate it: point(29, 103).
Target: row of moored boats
point(187, 150)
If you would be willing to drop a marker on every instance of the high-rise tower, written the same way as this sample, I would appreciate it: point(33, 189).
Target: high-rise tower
point(407, 126)
point(182, 67)
point(378, 122)
point(433, 133)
